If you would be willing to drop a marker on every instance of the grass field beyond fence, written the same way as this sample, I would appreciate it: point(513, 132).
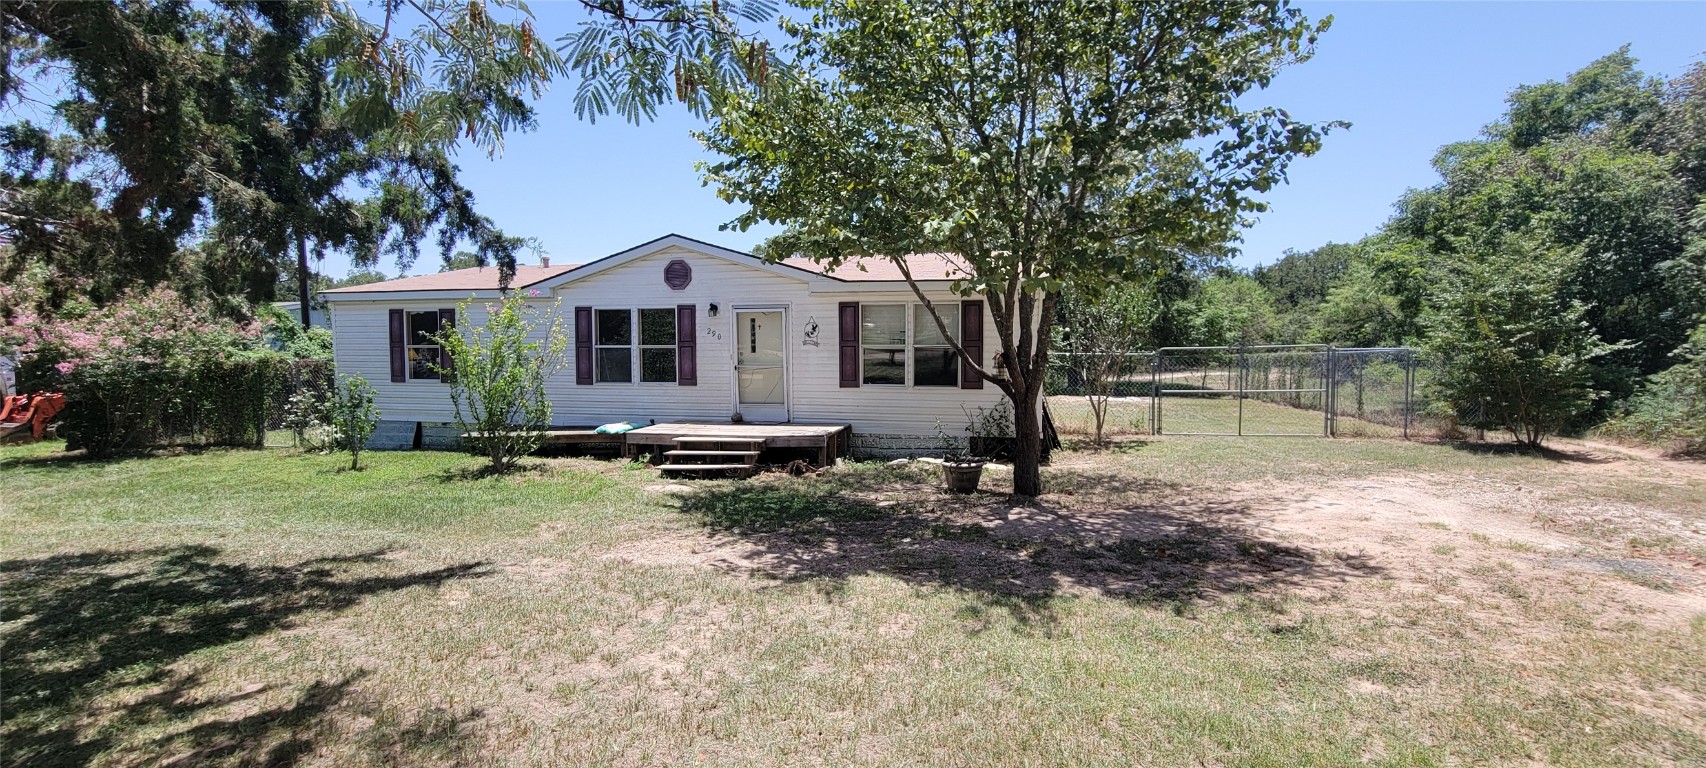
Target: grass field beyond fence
point(1186, 413)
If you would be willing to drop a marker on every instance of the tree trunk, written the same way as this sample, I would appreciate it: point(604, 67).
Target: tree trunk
point(1028, 447)
point(302, 278)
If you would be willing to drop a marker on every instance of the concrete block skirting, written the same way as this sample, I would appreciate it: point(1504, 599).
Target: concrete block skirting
point(393, 436)
point(869, 446)
point(441, 436)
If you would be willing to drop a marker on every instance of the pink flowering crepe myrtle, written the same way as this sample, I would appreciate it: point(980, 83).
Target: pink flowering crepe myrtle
point(147, 326)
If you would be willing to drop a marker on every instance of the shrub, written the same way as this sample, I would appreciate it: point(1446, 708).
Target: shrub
point(498, 374)
point(354, 416)
point(286, 334)
point(117, 404)
point(1517, 357)
point(308, 417)
point(1671, 405)
point(151, 368)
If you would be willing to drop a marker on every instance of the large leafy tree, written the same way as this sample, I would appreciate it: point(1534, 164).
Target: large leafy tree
point(237, 122)
point(1589, 166)
point(276, 130)
point(1079, 143)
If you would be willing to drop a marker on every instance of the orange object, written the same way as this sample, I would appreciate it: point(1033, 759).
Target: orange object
point(29, 411)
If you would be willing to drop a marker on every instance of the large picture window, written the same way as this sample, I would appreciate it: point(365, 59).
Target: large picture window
point(423, 352)
point(900, 344)
point(616, 345)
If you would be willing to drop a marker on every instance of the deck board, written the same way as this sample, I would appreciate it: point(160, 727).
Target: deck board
point(830, 440)
point(571, 436)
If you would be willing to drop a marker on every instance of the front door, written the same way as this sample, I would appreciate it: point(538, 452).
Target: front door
point(761, 366)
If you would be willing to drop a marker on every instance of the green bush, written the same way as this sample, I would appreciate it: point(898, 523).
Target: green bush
point(119, 404)
point(286, 334)
point(1518, 355)
point(354, 417)
point(497, 383)
point(1671, 404)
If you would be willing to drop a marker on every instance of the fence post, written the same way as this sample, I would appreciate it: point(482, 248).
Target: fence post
point(1409, 387)
point(1241, 371)
point(1330, 391)
point(1155, 393)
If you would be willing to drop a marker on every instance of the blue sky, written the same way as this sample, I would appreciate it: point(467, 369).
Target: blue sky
point(1410, 77)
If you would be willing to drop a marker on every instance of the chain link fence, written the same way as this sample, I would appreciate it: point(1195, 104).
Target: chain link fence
point(1268, 390)
point(313, 378)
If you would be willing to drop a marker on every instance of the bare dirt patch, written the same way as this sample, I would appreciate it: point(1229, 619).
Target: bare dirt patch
point(1482, 542)
point(1175, 546)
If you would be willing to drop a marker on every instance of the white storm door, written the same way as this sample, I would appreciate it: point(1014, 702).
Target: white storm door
point(761, 366)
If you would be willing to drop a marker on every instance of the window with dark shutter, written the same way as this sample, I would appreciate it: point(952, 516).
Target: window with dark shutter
point(934, 361)
point(423, 351)
point(583, 345)
point(849, 343)
point(686, 346)
point(399, 355)
point(660, 346)
point(971, 340)
point(446, 325)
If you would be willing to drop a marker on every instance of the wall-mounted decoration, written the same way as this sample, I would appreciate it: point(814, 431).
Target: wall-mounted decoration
point(677, 274)
point(811, 333)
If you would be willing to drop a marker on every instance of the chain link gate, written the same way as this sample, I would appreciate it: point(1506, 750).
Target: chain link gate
point(1373, 385)
point(1265, 390)
point(1203, 390)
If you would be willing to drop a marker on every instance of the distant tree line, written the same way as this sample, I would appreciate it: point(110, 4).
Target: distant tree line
point(1557, 267)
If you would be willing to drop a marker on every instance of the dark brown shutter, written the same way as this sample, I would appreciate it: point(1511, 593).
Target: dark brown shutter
point(686, 346)
point(971, 340)
point(446, 325)
point(849, 343)
point(583, 345)
point(399, 355)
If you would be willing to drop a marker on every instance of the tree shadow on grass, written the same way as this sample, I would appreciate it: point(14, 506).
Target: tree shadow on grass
point(81, 458)
point(93, 635)
point(483, 471)
point(1541, 452)
point(1141, 541)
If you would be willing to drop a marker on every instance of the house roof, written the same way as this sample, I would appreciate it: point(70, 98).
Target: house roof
point(484, 280)
point(924, 266)
point(471, 279)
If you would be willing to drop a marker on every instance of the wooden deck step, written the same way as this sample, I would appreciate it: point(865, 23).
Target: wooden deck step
point(718, 439)
point(750, 455)
point(707, 468)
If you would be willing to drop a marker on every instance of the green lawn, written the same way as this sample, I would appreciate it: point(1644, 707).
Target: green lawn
point(1161, 606)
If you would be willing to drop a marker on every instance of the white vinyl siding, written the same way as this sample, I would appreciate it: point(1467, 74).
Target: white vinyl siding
point(814, 391)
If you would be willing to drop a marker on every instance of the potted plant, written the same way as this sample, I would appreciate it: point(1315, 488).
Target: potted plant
point(961, 471)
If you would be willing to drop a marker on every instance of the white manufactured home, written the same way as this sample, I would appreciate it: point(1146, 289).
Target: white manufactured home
point(678, 331)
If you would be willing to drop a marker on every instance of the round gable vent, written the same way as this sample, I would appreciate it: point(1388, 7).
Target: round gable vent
point(677, 274)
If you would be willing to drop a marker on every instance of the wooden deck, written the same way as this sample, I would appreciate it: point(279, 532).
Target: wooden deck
point(571, 436)
point(829, 440)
